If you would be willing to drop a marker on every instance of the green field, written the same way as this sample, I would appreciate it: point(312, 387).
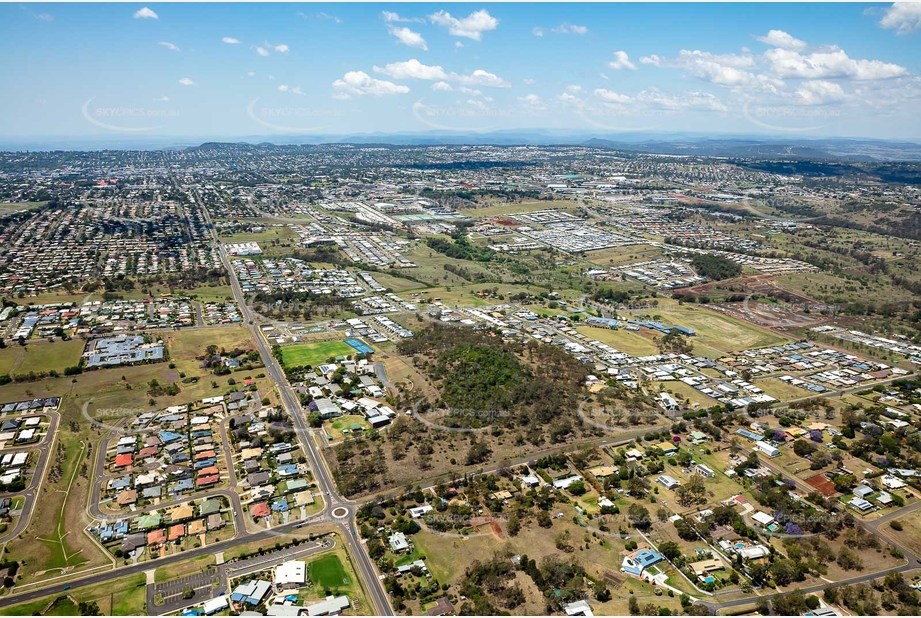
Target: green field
point(125, 596)
point(40, 356)
point(313, 354)
point(328, 572)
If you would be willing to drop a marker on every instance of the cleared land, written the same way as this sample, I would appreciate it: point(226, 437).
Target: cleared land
point(313, 353)
point(40, 356)
point(125, 596)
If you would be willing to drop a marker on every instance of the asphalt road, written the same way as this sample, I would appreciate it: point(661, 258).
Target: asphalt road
point(44, 450)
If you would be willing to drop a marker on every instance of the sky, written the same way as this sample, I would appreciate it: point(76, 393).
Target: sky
point(225, 71)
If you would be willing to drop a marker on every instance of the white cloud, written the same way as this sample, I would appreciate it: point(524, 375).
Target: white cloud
point(779, 38)
point(458, 44)
point(230, 40)
point(533, 102)
point(282, 48)
point(186, 81)
point(145, 13)
point(819, 92)
point(604, 77)
point(442, 87)
point(360, 83)
point(262, 51)
point(471, 91)
point(45, 17)
point(163, 99)
point(574, 88)
point(251, 74)
point(565, 28)
point(903, 17)
point(321, 15)
point(341, 96)
point(480, 78)
point(169, 46)
point(686, 100)
point(537, 31)
point(722, 69)
point(567, 98)
point(391, 17)
point(412, 69)
point(528, 81)
point(828, 64)
point(477, 104)
point(408, 37)
point(621, 61)
point(472, 27)
point(609, 96)
point(283, 88)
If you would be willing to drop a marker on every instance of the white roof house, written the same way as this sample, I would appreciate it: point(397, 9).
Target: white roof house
point(763, 518)
point(332, 606)
point(291, 572)
point(212, 606)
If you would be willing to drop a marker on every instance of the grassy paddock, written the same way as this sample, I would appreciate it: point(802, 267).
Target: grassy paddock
point(313, 353)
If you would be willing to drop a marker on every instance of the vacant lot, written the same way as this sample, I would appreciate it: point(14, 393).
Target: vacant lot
point(313, 353)
point(633, 343)
point(328, 572)
point(40, 356)
point(120, 597)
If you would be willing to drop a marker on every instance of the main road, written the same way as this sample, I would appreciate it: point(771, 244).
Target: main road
point(342, 511)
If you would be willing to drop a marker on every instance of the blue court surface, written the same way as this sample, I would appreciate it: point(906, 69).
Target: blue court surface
point(362, 347)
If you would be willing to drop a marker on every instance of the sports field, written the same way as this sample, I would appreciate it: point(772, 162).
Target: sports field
point(328, 572)
point(313, 354)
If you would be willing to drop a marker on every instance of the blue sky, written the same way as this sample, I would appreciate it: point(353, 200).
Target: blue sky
point(236, 70)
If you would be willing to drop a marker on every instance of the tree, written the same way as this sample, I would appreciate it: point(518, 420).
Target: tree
point(90, 609)
point(693, 491)
point(639, 516)
point(514, 525)
point(670, 549)
point(803, 448)
point(633, 605)
point(602, 592)
point(844, 482)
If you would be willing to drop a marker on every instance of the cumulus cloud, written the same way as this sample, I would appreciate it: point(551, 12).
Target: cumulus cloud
point(407, 37)
point(470, 91)
point(533, 102)
point(163, 99)
point(45, 17)
point(565, 28)
point(169, 46)
point(574, 88)
point(779, 38)
point(705, 101)
point(819, 92)
point(412, 69)
point(833, 63)
point(282, 48)
point(390, 17)
point(230, 40)
point(262, 51)
point(609, 96)
point(360, 83)
point(472, 27)
point(145, 13)
point(341, 96)
point(528, 81)
point(186, 81)
point(903, 17)
point(621, 61)
point(481, 78)
point(537, 31)
point(442, 87)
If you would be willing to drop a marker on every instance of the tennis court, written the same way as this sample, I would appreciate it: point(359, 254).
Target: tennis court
point(361, 346)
